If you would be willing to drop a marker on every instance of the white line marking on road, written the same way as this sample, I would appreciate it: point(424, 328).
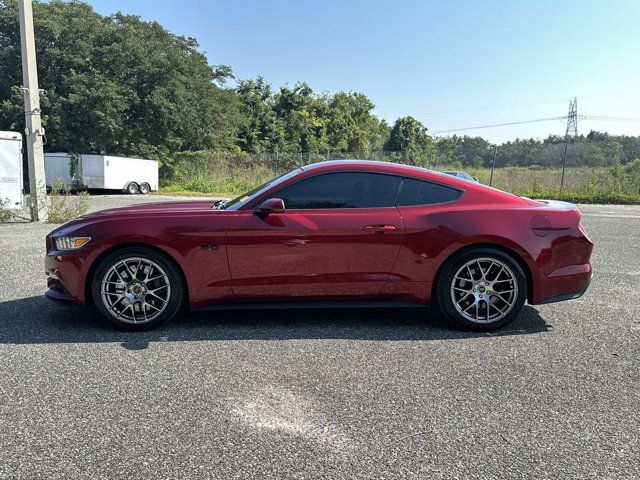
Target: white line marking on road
point(609, 215)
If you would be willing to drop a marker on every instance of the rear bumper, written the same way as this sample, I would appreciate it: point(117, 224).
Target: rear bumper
point(568, 296)
point(562, 269)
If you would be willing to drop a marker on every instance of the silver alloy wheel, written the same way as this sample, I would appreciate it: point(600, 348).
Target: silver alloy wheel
point(144, 188)
point(135, 290)
point(484, 290)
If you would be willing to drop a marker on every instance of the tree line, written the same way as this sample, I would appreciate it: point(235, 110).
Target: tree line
point(116, 84)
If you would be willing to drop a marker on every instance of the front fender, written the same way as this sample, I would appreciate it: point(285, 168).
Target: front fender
point(187, 240)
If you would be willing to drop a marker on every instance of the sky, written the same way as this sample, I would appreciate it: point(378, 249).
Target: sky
point(450, 64)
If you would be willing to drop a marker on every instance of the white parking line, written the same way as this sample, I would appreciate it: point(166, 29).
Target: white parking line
point(612, 215)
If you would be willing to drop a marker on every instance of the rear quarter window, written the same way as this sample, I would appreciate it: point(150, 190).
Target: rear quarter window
point(418, 192)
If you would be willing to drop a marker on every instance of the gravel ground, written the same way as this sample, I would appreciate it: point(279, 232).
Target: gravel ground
point(323, 394)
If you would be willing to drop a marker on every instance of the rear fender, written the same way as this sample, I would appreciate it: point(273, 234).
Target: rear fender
point(519, 254)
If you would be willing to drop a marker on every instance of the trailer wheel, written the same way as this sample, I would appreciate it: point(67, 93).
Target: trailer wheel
point(145, 188)
point(132, 188)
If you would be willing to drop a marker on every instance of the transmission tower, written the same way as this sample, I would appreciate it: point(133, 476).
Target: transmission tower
point(572, 118)
point(572, 131)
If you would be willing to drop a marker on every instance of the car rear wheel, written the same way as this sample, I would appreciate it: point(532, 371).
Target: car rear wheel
point(144, 188)
point(481, 289)
point(137, 288)
point(132, 188)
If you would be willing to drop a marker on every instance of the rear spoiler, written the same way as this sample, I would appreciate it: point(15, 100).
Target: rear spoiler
point(557, 204)
point(555, 215)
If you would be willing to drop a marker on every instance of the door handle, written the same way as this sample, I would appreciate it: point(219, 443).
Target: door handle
point(379, 228)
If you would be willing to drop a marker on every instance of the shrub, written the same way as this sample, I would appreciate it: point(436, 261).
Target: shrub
point(5, 214)
point(632, 173)
point(64, 207)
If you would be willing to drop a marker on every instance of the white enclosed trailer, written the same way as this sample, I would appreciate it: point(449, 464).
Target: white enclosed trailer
point(108, 172)
point(11, 170)
point(58, 165)
point(103, 172)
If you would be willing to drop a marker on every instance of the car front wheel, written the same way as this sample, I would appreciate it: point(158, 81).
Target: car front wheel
point(481, 289)
point(137, 288)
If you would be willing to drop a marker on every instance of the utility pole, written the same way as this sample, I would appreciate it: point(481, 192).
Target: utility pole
point(572, 129)
point(493, 164)
point(34, 131)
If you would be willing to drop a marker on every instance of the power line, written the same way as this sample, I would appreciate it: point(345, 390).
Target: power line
point(613, 119)
point(603, 118)
point(501, 124)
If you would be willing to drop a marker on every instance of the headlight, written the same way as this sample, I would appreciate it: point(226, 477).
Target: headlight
point(70, 243)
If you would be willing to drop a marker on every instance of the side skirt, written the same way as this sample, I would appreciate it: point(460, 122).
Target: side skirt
point(313, 304)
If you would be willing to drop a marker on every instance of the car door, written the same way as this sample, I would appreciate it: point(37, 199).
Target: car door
point(339, 236)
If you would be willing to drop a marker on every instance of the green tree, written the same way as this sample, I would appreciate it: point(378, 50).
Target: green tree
point(116, 84)
point(304, 117)
point(474, 151)
point(351, 127)
point(446, 149)
point(262, 130)
point(409, 137)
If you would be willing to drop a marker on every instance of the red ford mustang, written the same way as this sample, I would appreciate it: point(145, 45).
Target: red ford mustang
point(344, 232)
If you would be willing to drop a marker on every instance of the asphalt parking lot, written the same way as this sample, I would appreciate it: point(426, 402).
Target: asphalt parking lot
point(323, 394)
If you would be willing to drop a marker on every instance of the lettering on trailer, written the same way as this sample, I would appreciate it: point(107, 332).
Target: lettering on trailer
point(9, 179)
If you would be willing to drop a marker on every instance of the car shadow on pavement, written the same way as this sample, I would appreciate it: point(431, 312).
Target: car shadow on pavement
point(35, 320)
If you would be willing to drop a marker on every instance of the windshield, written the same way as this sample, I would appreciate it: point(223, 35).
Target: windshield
point(238, 202)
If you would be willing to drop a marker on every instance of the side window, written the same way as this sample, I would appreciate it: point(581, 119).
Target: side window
point(417, 192)
point(342, 190)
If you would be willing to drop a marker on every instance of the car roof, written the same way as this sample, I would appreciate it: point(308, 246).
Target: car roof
point(397, 168)
point(382, 167)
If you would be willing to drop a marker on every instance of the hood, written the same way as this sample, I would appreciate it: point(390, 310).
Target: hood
point(140, 210)
point(155, 208)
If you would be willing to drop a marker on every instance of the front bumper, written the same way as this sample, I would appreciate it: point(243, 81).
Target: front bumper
point(56, 291)
point(64, 277)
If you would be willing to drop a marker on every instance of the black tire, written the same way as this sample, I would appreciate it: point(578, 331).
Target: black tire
point(145, 188)
point(132, 188)
point(445, 287)
point(174, 294)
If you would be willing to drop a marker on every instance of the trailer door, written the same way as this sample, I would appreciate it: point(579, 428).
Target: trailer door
point(11, 169)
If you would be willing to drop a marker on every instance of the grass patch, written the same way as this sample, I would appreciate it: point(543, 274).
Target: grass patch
point(216, 187)
point(220, 174)
point(619, 198)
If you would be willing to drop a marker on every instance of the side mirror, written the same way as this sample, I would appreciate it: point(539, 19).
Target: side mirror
point(271, 205)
